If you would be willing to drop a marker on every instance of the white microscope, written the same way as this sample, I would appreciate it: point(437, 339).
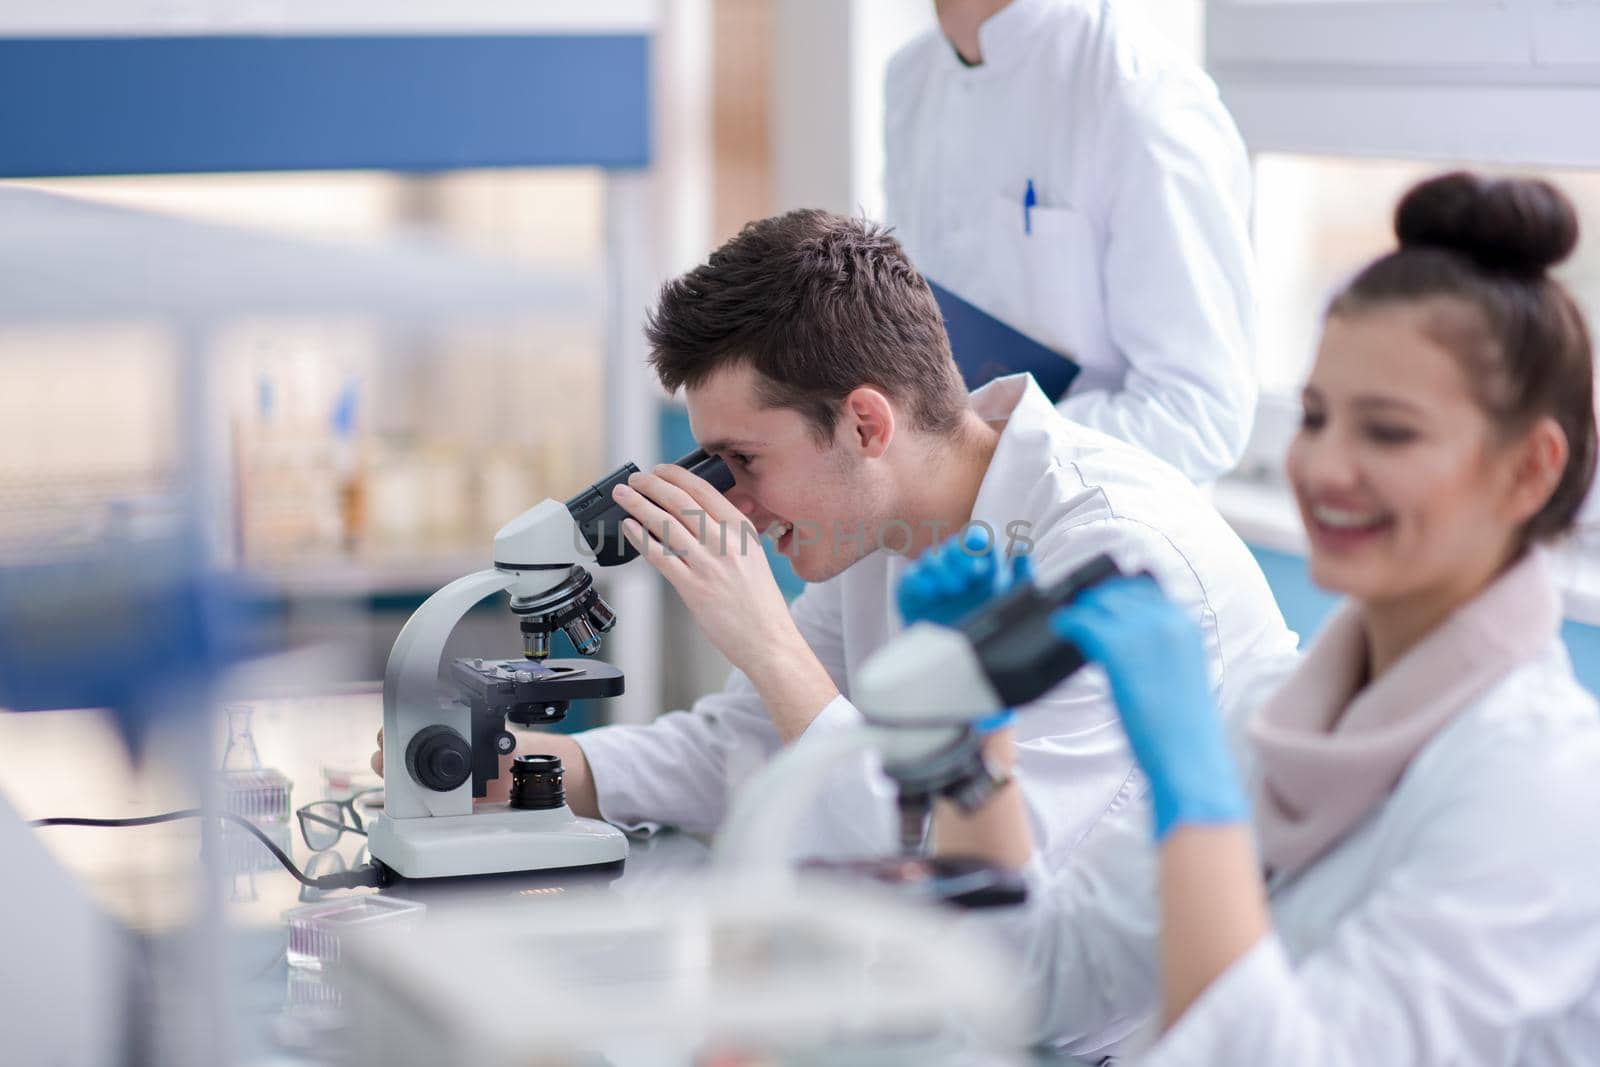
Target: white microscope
point(441, 751)
point(922, 697)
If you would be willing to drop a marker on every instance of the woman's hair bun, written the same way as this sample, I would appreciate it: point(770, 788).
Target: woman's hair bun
point(1517, 226)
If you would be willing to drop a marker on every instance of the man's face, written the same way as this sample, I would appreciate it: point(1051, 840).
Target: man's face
point(816, 501)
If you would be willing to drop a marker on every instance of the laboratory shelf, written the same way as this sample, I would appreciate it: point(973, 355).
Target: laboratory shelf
point(68, 260)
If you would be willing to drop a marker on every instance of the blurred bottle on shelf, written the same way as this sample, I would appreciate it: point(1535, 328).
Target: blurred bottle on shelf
point(348, 472)
point(351, 454)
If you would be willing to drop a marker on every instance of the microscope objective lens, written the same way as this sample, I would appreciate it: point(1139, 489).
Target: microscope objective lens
point(535, 643)
point(601, 617)
point(583, 635)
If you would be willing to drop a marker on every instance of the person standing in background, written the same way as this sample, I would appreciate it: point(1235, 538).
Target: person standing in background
point(1055, 165)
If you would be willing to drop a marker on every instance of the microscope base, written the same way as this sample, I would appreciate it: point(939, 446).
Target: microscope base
point(494, 839)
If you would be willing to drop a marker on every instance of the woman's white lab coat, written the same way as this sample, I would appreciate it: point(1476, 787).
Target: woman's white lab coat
point(1136, 259)
point(1458, 924)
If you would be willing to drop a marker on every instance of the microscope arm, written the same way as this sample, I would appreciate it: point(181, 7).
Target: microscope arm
point(411, 699)
point(538, 557)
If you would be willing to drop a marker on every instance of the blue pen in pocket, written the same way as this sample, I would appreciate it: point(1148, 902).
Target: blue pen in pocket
point(1029, 199)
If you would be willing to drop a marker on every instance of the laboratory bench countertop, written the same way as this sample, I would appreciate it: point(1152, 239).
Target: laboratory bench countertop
point(73, 764)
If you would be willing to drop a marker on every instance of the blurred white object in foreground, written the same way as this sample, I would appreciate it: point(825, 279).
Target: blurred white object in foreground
point(65, 962)
point(809, 969)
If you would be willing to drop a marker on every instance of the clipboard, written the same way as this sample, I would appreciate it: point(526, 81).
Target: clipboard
point(986, 348)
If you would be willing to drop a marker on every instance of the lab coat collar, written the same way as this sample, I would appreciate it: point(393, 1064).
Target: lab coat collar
point(1004, 399)
point(1017, 402)
point(1023, 451)
point(1005, 35)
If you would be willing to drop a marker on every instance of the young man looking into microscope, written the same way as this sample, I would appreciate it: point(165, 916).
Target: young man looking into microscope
point(814, 361)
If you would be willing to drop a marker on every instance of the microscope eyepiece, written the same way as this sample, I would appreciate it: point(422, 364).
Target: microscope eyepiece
point(599, 518)
point(1021, 655)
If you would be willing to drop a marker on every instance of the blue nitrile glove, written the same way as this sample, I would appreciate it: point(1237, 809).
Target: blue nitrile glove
point(955, 578)
point(1154, 659)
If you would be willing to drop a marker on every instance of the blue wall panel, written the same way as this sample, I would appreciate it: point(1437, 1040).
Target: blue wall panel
point(145, 105)
point(1583, 645)
point(1306, 608)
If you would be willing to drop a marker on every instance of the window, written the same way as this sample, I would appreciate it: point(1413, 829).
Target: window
point(1346, 103)
point(1319, 219)
point(1489, 80)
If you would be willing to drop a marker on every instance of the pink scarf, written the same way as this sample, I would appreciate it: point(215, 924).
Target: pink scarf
point(1330, 749)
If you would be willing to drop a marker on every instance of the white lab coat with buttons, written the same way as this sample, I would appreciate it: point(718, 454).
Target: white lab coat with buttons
point(1076, 493)
point(1138, 263)
point(1457, 926)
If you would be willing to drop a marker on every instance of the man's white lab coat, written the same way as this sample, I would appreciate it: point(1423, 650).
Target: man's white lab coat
point(1138, 263)
point(1074, 493)
point(1457, 926)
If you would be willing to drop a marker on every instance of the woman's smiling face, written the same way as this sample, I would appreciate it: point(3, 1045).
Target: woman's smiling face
point(1403, 485)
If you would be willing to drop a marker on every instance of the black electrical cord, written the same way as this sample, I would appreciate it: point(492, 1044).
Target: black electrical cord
point(360, 877)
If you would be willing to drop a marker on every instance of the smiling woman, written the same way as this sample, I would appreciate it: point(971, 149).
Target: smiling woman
point(1411, 880)
point(1447, 419)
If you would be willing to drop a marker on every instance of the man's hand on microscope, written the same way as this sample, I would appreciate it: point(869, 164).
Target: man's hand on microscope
point(705, 547)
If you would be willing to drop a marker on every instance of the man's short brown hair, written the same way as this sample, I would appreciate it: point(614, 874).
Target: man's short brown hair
point(819, 304)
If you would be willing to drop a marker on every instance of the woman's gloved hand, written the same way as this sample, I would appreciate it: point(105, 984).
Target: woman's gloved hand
point(1153, 656)
point(957, 577)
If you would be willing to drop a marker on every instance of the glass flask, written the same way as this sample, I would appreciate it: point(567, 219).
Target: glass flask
point(253, 792)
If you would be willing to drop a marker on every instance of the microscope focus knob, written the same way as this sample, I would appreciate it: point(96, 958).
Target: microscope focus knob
point(439, 758)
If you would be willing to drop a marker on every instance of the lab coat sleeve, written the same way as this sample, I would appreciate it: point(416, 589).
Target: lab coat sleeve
point(1073, 759)
point(1488, 922)
point(1071, 750)
point(1085, 944)
point(1072, 755)
point(1177, 280)
point(681, 769)
point(905, 77)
